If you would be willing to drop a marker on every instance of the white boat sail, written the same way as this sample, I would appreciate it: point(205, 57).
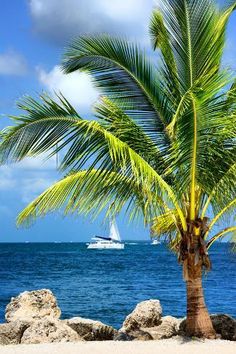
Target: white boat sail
point(113, 241)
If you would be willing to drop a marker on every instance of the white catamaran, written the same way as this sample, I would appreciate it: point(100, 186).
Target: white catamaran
point(111, 242)
point(155, 242)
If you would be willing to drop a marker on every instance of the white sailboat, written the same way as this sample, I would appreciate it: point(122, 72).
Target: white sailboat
point(155, 242)
point(113, 241)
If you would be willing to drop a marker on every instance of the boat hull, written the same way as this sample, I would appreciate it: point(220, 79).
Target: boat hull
point(107, 245)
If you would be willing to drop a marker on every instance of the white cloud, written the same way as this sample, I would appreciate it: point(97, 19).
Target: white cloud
point(60, 22)
point(12, 63)
point(125, 11)
point(76, 87)
point(32, 187)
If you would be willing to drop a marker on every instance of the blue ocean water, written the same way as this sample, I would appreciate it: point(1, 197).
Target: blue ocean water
point(107, 284)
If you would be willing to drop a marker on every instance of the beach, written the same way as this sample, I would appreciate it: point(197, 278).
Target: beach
point(168, 346)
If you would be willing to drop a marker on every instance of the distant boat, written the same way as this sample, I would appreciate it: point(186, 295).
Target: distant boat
point(111, 242)
point(155, 242)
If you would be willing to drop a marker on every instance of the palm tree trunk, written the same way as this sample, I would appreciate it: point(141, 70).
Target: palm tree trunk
point(198, 322)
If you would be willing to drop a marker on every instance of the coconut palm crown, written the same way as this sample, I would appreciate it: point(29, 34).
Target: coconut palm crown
point(161, 145)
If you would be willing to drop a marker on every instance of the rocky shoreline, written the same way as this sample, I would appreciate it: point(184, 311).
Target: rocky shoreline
point(34, 317)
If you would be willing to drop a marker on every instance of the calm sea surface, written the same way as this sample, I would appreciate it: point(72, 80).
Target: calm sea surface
point(107, 284)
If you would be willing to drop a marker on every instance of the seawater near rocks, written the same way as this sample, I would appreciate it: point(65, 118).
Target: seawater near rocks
point(33, 317)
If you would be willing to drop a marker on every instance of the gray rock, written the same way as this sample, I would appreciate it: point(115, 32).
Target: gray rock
point(32, 305)
point(11, 333)
point(145, 315)
point(122, 336)
point(225, 326)
point(91, 330)
point(182, 327)
point(48, 330)
point(168, 328)
point(140, 334)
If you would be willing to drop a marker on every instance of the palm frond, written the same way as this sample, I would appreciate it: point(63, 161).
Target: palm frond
point(226, 186)
point(165, 223)
point(211, 141)
point(90, 192)
point(124, 74)
point(113, 119)
point(197, 32)
point(228, 208)
point(222, 234)
point(44, 125)
point(161, 39)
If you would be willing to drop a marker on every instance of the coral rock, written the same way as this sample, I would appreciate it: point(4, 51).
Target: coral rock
point(91, 330)
point(145, 315)
point(11, 333)
point(168, 328)
point(32, 305)
point(48, 331)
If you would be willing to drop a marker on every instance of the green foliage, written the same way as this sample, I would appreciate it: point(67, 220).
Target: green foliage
point(162, 145)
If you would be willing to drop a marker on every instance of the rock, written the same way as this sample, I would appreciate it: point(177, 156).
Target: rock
point(168, 328)
point(225, 326)
point(139, 334)
point(133, 335)
point(91, 330)
point(122, 336)
point(11, 333)
point(48, 330)
point(145, 315)
point(182, 327)
point(32, 305)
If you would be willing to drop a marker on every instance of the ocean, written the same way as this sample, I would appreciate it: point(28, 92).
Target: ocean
point(106, 285)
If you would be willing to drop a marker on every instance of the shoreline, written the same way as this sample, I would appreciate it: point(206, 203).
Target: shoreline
point(165, 346)
point(33, 317)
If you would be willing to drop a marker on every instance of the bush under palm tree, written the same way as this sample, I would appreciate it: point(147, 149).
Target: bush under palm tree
point(162, 145)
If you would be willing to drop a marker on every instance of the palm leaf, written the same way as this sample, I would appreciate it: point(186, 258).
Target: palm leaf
point(222, 234)
point(124, 74)
point(44, 125)
point(89, 192)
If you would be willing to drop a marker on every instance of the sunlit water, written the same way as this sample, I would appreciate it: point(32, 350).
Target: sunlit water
point(107, 284)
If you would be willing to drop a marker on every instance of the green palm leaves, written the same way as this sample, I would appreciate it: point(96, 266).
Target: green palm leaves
point(162, 144)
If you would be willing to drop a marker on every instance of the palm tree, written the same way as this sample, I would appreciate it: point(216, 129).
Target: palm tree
point(162, 145)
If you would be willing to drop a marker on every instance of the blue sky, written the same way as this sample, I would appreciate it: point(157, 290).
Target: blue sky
point(34, 34)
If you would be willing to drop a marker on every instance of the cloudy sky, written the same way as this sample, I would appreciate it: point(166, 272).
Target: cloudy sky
point(34, 35)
